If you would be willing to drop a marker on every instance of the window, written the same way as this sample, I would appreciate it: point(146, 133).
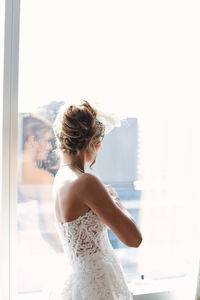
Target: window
point(134, 62)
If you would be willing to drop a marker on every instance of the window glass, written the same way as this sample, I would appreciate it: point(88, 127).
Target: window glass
point(116, 54)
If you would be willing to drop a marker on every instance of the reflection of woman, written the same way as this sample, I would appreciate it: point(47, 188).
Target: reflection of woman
point(83, 208)
point(35, 183)
point(36, 144)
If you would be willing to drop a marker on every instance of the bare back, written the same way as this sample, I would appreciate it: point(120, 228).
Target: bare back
point(75, 194)
point(67, 203)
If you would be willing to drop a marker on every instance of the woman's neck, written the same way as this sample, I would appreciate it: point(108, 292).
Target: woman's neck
point(73, 160)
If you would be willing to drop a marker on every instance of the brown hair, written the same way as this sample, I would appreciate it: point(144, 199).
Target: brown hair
point(76, 127)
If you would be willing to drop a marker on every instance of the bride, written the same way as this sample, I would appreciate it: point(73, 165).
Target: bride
point(84, 207)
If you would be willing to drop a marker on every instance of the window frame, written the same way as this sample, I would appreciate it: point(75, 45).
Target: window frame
point(9, 124)
point(9, 151)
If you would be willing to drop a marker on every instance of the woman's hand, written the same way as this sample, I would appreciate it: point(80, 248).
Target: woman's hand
point(116, 199)
point(112, 192)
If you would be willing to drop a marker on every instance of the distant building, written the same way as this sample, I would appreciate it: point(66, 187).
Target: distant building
point(117, 160)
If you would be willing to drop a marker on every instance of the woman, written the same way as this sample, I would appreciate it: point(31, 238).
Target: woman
point(84, 208)
point(35, 144)
point(35, 184)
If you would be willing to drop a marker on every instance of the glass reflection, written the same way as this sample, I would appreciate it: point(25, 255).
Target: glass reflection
point(36, 233)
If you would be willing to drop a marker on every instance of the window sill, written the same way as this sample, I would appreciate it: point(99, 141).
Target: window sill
point(170, 289)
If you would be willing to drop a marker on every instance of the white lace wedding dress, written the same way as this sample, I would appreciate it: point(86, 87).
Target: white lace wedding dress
point(95, 270)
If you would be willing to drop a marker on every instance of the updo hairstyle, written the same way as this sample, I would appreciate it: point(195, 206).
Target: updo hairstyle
point(77, 127)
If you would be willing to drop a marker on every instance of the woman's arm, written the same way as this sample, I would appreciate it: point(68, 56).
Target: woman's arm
point(113, 194)
point(92, 192)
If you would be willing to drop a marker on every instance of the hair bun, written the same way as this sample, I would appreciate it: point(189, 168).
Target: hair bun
point(76, 126)
point(81, 119)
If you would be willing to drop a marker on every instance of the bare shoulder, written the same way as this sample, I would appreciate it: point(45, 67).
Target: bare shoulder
point(87, 184)
point(88, 178)
point(73, 187)
point(93, 193)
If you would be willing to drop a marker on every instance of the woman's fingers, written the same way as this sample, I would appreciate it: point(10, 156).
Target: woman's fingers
point(112, 192)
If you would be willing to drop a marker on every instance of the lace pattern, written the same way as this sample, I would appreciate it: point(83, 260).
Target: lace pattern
point(96, 272)
point(84, 236)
